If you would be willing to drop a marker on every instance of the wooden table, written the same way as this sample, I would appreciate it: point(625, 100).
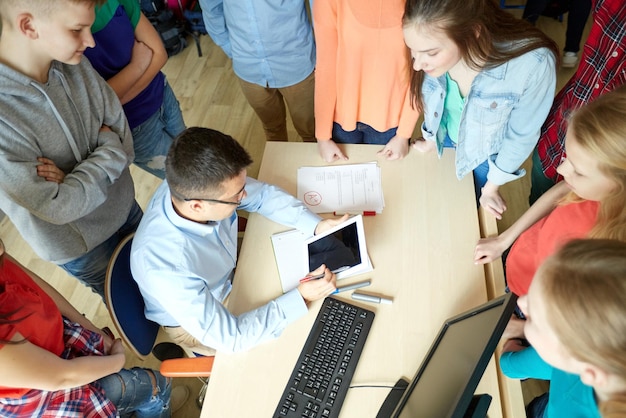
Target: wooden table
point(421, 248)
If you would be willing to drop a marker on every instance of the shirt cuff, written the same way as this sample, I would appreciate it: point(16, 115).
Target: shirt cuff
point(292, 304)
point(308, 222)
point(499, 177)
point(506, 364)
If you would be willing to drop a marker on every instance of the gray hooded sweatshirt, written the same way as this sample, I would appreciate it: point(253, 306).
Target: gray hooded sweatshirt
point(61, 120)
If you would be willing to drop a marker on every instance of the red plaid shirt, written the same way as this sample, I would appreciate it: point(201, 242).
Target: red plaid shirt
point(602, 69)
point(87, 401)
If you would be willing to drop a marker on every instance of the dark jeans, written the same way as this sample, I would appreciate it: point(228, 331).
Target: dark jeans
point(90, 268)
point(131, 391)
point(537, 407)
point(576, 19)
point(539, 183)
point(363, 134)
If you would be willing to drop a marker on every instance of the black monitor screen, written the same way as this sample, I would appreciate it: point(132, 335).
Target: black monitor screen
point(446, 380)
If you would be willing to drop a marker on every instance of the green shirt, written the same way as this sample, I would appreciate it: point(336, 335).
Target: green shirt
point(452, 109)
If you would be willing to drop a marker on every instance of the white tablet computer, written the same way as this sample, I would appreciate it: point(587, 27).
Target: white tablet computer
point(341, 248)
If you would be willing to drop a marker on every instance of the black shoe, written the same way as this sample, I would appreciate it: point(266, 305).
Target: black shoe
point(167, 351)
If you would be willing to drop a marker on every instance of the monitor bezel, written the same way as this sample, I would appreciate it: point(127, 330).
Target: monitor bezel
point(463, 400)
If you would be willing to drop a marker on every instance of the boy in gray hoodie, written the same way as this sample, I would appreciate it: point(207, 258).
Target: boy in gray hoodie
point(65, 145)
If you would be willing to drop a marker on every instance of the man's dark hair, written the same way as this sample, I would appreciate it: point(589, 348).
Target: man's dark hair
point(200, 160)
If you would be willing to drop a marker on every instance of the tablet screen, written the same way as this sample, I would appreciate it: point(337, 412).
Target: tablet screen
point(339, 250)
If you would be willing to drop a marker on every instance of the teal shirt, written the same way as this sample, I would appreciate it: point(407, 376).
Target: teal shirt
point(569, 397)
point(452, 110)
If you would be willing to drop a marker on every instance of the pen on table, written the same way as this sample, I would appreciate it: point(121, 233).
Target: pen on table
point(371, 298)
point(352, 286)
point(364, 213)
point(319, 276)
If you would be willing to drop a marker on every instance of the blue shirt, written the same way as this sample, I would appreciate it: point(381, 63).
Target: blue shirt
point(270, 41)
point(502, 117)
point(184, 269)
point(569, 397)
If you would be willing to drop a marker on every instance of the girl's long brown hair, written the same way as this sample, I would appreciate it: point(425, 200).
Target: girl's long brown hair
point(486, 35)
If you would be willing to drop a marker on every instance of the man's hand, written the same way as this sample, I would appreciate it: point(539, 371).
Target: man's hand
point(49, 171)
point(422, 145)
point(396, 149)
point(330, 151)
point(326, 224)
point(488, 249)
point(320, 288)
point(491, 200)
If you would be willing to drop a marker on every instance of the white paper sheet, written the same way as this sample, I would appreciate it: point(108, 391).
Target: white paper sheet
point(350, 188)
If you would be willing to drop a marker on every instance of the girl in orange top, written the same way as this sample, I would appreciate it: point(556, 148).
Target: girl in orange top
point(362, 77)
point(594, 174)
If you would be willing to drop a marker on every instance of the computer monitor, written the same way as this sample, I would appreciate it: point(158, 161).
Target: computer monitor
point(444, 384)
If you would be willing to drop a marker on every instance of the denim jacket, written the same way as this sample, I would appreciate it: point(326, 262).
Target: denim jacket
point(502, 117)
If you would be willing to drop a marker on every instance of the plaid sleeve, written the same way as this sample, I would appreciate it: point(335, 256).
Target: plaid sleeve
point(87, 401)
point(602, 69)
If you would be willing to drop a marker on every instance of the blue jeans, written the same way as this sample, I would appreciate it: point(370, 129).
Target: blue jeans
point(363, 134)
point(152, 139)
point(131, 391)
point(537, 407)
point(90, 268)
point(480, 172)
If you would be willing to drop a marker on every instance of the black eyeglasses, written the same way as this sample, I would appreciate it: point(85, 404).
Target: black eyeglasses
point(223, 202)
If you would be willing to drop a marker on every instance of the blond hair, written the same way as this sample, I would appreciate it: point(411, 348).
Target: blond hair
point(39, 7)
point(600, 129)
point(584, 284)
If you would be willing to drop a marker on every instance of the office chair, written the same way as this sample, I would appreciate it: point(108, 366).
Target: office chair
point(126, 307)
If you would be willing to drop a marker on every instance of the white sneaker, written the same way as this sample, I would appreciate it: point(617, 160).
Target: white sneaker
point(178, 397)
point(570, 59)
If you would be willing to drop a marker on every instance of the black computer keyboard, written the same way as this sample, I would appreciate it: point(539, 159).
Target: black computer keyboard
point(321, 377)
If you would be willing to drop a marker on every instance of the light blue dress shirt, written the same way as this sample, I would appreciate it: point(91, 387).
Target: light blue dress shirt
point(569, 396)
point(270, 41)
point(184, 269)
point(502, 117)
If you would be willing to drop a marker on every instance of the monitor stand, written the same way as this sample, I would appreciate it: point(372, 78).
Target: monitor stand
point(477, 408)
point(393, 399)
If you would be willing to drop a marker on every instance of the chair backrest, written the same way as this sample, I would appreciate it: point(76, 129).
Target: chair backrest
point(126, 304)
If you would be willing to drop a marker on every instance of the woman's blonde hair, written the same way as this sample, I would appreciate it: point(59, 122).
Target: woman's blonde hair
point(584, 286)
point(486, 35)
point(600, 129)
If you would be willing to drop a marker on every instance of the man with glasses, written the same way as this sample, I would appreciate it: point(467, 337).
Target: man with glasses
point(185, 250)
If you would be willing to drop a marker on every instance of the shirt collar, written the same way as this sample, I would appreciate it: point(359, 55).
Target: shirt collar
point(187, 226)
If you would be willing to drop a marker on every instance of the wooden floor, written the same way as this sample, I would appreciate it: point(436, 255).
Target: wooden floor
point(210, 96)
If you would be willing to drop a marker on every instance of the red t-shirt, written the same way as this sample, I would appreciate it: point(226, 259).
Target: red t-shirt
point(544, 238)
point(40, 321)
